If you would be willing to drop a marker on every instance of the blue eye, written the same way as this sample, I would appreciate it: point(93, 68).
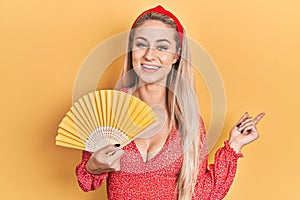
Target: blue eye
point(141, 45)
point(162, 48)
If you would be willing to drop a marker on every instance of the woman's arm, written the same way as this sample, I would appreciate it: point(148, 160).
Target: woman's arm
point(86, 180)
point(214, 182)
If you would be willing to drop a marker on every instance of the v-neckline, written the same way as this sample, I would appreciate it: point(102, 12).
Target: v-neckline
point(172, 132)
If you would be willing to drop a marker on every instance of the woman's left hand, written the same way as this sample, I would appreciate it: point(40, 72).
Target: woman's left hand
point(244, 131)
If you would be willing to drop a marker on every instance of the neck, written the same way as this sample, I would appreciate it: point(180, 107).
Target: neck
point(152, 94)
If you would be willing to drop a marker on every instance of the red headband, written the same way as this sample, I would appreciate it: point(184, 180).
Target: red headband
point(161, 10)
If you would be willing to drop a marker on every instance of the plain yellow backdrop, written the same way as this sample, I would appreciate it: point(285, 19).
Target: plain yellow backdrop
point(255, 45)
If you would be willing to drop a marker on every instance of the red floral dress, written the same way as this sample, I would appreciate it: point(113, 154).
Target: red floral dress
point(156, 179)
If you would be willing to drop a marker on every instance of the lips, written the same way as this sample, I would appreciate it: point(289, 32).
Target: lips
point(150, 68)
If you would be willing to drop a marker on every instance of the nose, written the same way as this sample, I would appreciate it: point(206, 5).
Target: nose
point(150, 54)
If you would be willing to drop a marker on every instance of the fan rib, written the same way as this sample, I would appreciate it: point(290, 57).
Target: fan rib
point(67, 127)
point(78, 123)
point(69, 136)
point(85, 113)
point(98, 107)
point(78, 117)
point(70, 145)
point(103, 107)
point(90, 111)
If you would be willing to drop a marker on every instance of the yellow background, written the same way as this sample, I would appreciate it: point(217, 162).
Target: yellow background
point(255, 45)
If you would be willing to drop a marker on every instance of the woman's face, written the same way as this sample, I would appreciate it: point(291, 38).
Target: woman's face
point(153, 51)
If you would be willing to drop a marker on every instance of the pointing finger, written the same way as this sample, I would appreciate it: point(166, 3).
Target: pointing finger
point(258, 118)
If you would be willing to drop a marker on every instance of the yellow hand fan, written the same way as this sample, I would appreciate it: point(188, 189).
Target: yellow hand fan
point(104, 117)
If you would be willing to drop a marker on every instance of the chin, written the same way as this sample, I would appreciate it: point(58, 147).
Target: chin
point(152, 80)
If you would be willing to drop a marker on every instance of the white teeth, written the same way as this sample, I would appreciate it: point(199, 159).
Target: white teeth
point(150, 66)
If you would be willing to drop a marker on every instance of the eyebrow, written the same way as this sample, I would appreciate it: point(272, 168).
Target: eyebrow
point(164, 40)
point(159, 40)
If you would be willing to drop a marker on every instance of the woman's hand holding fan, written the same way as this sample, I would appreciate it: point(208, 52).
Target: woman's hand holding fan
point(106, 159)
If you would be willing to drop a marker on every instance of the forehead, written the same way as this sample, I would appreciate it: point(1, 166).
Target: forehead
point(153, 29)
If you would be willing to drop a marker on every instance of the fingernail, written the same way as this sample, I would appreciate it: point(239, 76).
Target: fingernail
point(117, 145)
point(239, 124)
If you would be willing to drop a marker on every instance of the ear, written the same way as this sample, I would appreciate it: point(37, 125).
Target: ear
point(176, 56)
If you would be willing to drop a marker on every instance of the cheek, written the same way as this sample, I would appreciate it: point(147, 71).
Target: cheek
point(167, 59)
point(136, 57)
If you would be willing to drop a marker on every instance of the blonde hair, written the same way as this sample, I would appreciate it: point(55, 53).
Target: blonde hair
point(182, 105)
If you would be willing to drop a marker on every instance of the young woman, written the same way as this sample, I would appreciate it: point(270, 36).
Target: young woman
point(172, 163)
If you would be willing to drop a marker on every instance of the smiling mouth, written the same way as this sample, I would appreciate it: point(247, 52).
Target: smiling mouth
point(151, 67)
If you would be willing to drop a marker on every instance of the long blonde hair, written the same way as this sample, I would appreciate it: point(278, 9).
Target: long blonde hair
point(182, 105)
